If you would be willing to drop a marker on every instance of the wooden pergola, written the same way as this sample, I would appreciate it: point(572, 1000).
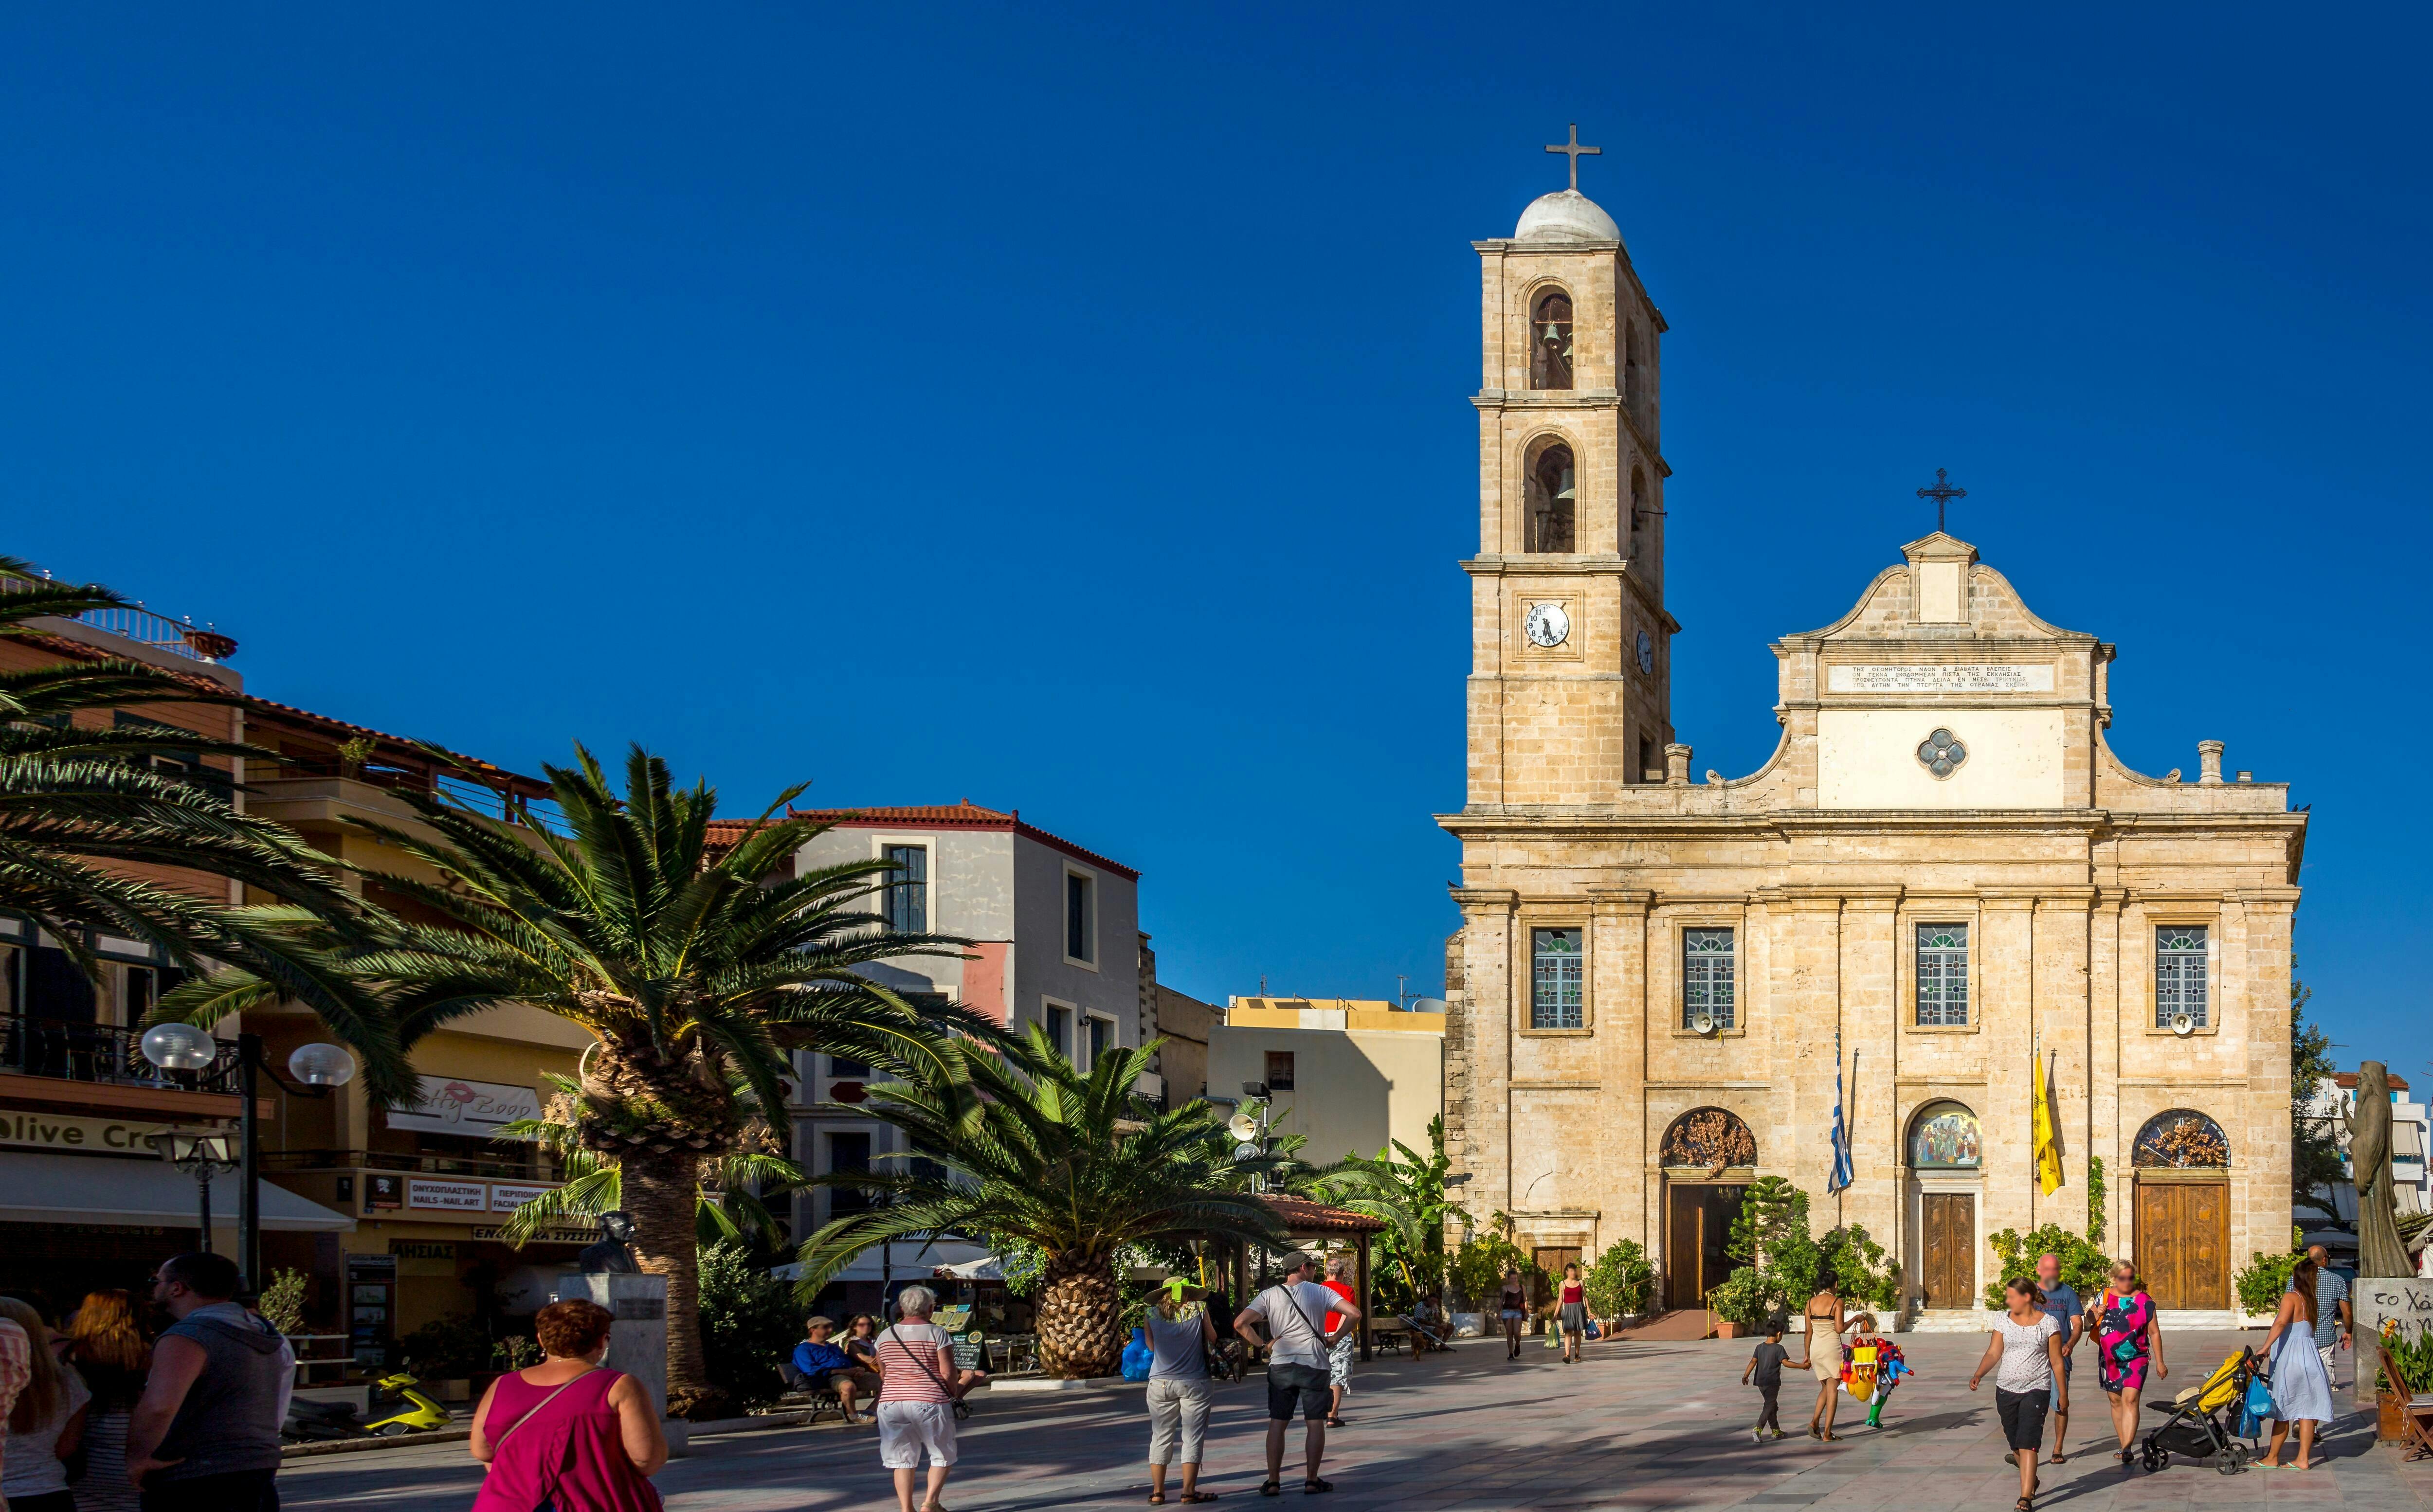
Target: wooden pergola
point(1304, 1221)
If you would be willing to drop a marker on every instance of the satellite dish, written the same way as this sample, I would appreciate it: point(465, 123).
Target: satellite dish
point(1704, 1023)
point(2184, 1023)
point(1242, 1126)
point(1245, 1151)
point(1427, 1005)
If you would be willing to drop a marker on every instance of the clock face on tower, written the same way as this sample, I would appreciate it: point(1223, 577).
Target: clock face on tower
point(1646, 654)
point(1547, 626)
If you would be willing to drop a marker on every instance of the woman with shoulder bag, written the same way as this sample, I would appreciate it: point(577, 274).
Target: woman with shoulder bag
point(569, 1435)
point(1179, 1394)
point(918, 1388)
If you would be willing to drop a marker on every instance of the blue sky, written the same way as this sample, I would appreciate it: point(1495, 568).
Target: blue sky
point(1068, 410)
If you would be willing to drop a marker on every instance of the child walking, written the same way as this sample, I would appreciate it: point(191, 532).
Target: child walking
point(1870, 1350)
point(1766, 1364)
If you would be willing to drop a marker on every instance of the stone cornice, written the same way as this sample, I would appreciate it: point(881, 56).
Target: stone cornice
point(1499, 401)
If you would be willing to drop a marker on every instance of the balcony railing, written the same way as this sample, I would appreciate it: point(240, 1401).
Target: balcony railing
point(101, 1054)
point(137, 624)
point(539, 1167)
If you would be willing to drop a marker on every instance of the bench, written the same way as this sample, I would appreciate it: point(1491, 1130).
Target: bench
point(1391, 1336)
point(801, 1394)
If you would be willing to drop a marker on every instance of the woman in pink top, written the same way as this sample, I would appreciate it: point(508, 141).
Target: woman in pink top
point(569, 1435)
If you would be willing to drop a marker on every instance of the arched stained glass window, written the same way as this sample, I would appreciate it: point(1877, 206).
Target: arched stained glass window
point(1944, 1137)
point(2181, 1139)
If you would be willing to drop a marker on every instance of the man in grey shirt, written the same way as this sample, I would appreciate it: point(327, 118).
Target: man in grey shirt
point(1293, 1312)
point(2335, 1330)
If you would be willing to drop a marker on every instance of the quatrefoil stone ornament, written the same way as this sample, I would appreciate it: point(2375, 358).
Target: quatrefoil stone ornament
point(1942, 753)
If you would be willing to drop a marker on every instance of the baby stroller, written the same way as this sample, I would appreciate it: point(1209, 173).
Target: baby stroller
point(2203, 1419)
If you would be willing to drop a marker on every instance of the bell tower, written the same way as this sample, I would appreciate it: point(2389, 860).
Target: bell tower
point(1570, 685)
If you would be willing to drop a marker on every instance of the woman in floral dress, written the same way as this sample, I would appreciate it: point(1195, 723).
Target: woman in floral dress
point(2128, 1340)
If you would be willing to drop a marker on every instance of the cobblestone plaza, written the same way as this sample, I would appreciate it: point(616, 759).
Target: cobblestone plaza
point(1639, 1426)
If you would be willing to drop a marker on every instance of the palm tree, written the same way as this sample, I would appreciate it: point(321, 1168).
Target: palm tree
point(79, 803)
point(1406, 1191)
point(735, 1188)
point(697, 968)
point(1077, 1164)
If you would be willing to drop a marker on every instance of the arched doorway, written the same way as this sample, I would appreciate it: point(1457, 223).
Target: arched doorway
point(2181, 1165)
point(1709, 1158)
point(1944, 1155)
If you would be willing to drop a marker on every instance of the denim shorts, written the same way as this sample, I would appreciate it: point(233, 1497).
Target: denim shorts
point(1289, 1383)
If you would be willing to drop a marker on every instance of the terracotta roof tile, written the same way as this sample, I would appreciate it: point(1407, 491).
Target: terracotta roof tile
point(1302, 1216)
point(964, 814)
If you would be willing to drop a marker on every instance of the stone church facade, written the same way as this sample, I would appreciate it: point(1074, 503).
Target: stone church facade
point(1941, 875)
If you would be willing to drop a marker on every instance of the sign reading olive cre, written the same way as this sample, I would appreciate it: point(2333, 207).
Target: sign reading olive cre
point(1965, 677)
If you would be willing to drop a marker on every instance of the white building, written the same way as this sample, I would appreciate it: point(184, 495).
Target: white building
point(2336, 1100)
point(1056, 940)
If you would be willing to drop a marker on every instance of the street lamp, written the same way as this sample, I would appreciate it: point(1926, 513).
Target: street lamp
point(184, 1047)
point(201, 1155)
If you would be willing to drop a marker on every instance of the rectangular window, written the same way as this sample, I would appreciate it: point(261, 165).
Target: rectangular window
point(847, 1070)
point(1279, 1071)
point(1103, 1035)
point(1706, 977)
point(1059, 1030)
point(1943, 974)
point(848, 1152)
point(2179, 974)
point(1077, 921)
point(907, 895)
point(1554, 979)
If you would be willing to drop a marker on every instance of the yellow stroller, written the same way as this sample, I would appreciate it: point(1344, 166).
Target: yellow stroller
point(2204, 1418)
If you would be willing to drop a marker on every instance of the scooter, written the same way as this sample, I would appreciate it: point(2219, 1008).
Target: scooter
point(310, 1422)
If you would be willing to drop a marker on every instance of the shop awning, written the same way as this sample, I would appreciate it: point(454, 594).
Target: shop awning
point(45, 1188)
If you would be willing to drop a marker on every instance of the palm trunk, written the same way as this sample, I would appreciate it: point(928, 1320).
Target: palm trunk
point(1080, 1331)
point(661, 1190)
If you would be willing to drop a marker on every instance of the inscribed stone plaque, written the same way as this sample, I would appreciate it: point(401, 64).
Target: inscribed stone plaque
point(1963, 677)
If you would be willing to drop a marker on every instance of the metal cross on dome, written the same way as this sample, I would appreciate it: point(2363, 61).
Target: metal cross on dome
point(1941, 493)
point(1572, 150)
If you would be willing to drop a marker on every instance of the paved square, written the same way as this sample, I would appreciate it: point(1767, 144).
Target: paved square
point(1638, 1426)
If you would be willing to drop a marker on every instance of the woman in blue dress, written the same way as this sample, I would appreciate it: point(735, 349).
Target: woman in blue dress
point(2301, 1388)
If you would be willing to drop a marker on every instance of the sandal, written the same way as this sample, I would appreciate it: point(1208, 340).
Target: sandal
point(1157, 1499)
point(1312, 1485)
point(1270, 1489)
point(2024, 1504)
point(1200, 1496)
point(2056, 1458)
point(1337, 1422)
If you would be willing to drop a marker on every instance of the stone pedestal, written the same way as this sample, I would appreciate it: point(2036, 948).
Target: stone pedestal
point(2373, 1301)
point(637, 1341)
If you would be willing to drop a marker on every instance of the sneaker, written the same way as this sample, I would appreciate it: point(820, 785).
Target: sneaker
point(1777, 1432)
point(1757, 1435)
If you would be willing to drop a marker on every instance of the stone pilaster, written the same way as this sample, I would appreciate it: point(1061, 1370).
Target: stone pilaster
point(1618, 953)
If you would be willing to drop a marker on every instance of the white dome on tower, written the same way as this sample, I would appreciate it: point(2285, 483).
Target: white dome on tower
point(1566, 215)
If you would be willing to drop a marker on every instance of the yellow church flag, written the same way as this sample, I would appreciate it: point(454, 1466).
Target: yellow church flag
point(2047, 1143)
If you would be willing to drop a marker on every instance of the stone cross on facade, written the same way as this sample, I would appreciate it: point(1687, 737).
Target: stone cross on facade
point(1572, 150)
point(1941, 493)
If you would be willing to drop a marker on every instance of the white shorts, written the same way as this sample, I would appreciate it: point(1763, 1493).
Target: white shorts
point(906, 1428)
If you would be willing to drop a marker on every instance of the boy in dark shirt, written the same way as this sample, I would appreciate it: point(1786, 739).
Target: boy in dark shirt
point(1765, 1363)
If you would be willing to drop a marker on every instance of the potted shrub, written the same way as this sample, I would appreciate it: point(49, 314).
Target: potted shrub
point(1739, 1304)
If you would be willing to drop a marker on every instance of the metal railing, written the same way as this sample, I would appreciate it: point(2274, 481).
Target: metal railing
point(135, 622)
point(492, 804)
point(539, 1167)
point(101, 1054)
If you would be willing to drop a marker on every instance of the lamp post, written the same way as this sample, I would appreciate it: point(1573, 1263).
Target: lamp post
point(184, 1047)
point(202, 1157)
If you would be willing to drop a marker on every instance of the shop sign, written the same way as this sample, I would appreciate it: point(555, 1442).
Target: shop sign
point(449, 1105)
point(450, 1196)
point(505, 1197)
point(421, 1249)
point(545, 1236)
point(383, 1192)
point(107, 1136)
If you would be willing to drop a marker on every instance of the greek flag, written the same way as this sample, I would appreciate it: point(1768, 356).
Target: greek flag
point(1841, 1176)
